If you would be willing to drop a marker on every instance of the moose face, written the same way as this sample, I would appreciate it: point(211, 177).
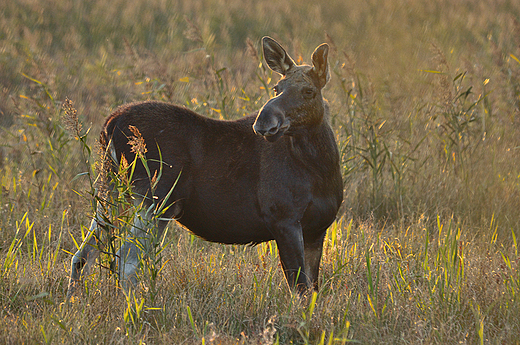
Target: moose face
point(298, 102)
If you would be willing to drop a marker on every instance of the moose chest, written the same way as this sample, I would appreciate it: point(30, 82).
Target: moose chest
point(300, 185)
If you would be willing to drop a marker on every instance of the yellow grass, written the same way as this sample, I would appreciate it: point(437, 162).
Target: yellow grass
point(425, 102)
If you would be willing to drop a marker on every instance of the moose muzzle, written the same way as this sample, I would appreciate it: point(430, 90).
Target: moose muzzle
point(271, 123)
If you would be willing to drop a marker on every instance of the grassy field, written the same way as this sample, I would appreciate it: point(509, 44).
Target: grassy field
point(425, 102)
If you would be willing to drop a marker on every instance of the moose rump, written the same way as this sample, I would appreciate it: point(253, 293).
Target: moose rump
point(272, 175)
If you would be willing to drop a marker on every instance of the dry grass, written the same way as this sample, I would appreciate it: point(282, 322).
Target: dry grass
point(425, 101)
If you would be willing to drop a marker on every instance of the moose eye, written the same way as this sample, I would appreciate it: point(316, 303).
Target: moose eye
point(308, 92)
point(275, 89)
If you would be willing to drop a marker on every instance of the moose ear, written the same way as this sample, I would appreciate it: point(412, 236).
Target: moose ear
point(319, 61)
point(276, 57)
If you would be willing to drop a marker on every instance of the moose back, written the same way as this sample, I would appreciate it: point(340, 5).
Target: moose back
point(273, 175)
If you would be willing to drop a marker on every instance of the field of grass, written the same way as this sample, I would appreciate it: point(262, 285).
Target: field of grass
point(425, 102)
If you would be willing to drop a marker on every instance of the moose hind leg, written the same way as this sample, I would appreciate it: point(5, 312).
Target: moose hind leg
point(84, 258)
point(128, 262)
point(137, 244)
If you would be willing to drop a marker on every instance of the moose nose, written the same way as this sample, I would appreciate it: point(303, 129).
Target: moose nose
point(271, 131)
point(269, 120)
point(265, 132)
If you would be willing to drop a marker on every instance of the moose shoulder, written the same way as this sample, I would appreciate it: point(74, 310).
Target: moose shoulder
point(273, 175)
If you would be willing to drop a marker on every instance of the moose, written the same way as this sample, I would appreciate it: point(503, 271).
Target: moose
point(272, 175)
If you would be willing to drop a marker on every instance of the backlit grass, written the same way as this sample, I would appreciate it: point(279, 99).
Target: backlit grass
point(425, 102)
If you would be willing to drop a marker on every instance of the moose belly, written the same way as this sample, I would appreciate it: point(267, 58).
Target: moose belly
point(230, 218)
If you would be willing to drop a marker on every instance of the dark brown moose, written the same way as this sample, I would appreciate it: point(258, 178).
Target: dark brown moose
point(273, 175)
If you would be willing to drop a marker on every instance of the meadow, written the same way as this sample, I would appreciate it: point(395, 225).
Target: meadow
point(425, 104)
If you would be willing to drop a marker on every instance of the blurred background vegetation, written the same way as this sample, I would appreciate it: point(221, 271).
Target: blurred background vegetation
point(424, 97)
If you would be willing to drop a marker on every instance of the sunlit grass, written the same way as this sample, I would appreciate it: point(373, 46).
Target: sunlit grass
point(424, 99)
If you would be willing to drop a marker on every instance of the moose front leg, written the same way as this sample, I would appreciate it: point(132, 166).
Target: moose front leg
point(291, 249)
point(313, 249)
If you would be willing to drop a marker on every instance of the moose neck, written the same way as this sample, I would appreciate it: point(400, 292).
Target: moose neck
point(315, 146)
point(310, 141)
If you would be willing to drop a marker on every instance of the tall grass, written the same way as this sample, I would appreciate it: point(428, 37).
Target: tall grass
point(424, 100)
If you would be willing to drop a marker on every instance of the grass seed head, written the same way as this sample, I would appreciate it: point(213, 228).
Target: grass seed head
point(251, 50)
point(192, 31)
point(70, 119)
point(137, 142)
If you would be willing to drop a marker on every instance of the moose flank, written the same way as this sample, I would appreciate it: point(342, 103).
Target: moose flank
point(272, 175)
